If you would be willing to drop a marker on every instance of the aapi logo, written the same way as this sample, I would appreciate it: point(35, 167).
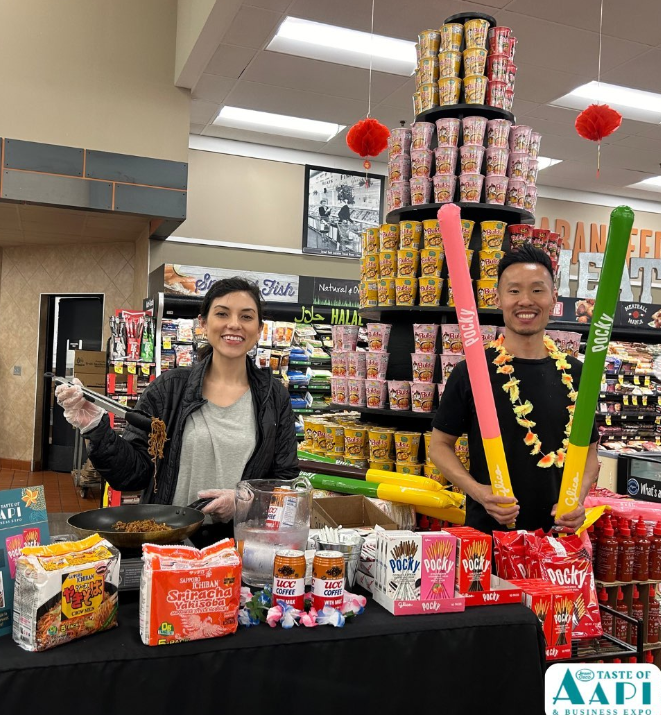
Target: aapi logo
point(616, 689)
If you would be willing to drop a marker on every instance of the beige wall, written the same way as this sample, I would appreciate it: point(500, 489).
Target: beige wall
point(94, 74)
point(191, 17)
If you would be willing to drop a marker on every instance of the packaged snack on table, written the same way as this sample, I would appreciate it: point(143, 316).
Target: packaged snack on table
point(448, 363)
point(339, 363)
point(520, 138)
point(447, 131)
point(406, 290)
point(475, 89)
point(356, 364)
point(495, 189)
point(423, 365)
point(475, 62)
point(451, 339)
point(407, 447)
point(421, 135)
point(410, 234)
point(444, 188)
point(493, 233)
point(471, 158)
point(399, 168)
point(489, 261)
point(431, 262)
point(446, 159)
point(422, 396)
point(451, 37)
point(473, 559)
point(386, 292)
point(420, 187)
point(381, 444)
point(474, 128)
point(470, 187)
point(449, 91)
point(378, 335)
point(449, 63)
point(376, 365)
point(516, 193)
point(399, 394)
point(356, 386)
point(387, 264)
point(498, 131)
point(389, 237)
point(476, 32)
point(486, 292)
point(424, 337)
point(430, 290)
point(520, 233)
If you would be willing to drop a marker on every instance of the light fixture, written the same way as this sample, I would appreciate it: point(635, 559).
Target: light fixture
point(651, 184)
point(543, 162)
point(340, 45)
point(277, 124)
point(631, 103)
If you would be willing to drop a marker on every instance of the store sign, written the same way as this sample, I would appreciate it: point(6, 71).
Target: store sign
point(334, 316)
point(644, 489)
point(335, 291)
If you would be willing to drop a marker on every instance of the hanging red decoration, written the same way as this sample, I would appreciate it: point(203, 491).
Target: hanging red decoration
point(368, 137)
point(597, 121)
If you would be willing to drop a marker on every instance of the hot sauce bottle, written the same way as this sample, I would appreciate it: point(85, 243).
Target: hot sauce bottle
point(607, 557)
point(653, 618)
point(655, 553)
point(606, 618)
point(621, 626)
point(627, 548)
point(593, 536)
point(637, 610)
point(641, 559)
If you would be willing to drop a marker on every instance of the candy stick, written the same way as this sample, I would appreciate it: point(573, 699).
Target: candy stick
point(449, 219)
point(601, 327)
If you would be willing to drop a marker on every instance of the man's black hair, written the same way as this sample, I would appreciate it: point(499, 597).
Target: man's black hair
point(526, 254)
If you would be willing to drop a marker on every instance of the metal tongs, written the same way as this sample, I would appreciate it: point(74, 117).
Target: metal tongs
point(137, 418)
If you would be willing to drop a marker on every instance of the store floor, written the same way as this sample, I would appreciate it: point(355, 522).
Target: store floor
point(61, 494)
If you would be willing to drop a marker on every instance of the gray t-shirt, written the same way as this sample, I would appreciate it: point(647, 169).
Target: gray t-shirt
point(217, 444)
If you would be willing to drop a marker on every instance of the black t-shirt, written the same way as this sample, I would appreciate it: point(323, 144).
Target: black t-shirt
point(536, 488)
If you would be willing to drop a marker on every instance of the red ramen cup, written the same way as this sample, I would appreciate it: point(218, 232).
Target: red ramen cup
point(447, 131)
point(376, 365)
point(520, 233)
point(513, 42)
point(498, 131)
point(511, 74)
point(399, 394)
point(496, 94)
point(495, 189)
point(497, 67)
point(444, 188)
point(423, 366)
point(470, 187)
point(473, 130)
point(540, 237)
point(499, 40)
point(375, 393)
point(509, 99)
point(422, 396)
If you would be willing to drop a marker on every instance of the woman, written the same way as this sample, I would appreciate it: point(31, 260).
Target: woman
point(226, 420)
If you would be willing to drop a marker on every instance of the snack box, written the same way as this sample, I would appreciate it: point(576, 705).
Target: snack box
point(351, 511)
point(365, 581)
point(439, 552)
point(473, 560)
point(399, 564)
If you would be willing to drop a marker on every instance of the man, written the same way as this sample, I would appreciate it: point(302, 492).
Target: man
point(527, 378)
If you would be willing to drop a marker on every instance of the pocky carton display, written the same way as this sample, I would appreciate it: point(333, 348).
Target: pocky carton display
point(473, 559)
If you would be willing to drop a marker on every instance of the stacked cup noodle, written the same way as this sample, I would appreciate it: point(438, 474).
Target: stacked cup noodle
point(398, 193)
point(543, 238)
point(522, 167)
point(348, 367)
point(501, 70)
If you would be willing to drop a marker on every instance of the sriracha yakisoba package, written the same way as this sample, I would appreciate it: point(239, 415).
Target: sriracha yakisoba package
point(186, 594)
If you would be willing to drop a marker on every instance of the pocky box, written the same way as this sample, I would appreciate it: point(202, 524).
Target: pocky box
point(439, 549)
point(473, 559)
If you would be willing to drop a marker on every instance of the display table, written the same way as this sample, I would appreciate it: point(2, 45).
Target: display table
point(487, 659)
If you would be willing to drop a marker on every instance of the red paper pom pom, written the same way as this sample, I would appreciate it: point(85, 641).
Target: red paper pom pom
point(597, 121)
point(368, 137)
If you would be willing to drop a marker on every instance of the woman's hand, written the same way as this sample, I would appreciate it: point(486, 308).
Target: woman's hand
point(78, 411)
point(222, 506)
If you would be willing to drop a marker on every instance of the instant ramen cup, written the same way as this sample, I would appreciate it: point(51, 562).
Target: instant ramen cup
point(381, 444)
point(427, 442)
point(470, 187)
point(469, 258)
point(530, 201)
point(449, 91)
point(406, 468)
point(432, 472)
point(473, 130)
point(476, 32)
point(449, 63)
point(387, 466)
point(399, 142)
point(448, 363)
point(488, 333)
point(513, 42)
point(429, 290)
point(407, 447)
point(496, 94)
point(337, 337)
point(450, 296)
point(358, 462)
point(356, 364)
point(432, 233)
point(399, 168)
point(520, 137)
point(421, 162)
point(444, 187)
point(421, 133)
point(386, 292)
point(376, 365)
point(471, 158)
point(429, 42)
point(339, 363)
point(495, 189)
point(475, 61)
point(467, 231)
point(422, 396)
point(451, 37)
point(540, 237)
point(388, 264)
point(423, 366)
point(371, 266)
point(420, 191)
point(475, 89)
point(533, 168)
point(447, 131)
point(493, 233)
point(407, 263)
point(486, 292)
point(446, 159)
point(371, 242)
point(497, 158)
point(371, 294)
point(498, 132)
point(378, 335)
point(533, 147)
point(406, 290)
point(399, 394)
point(520, 233)
point(334, 439)
point(461, 450)
point(431, 262)
point(349, 337)
point(440, 386)
point(339, 391)
point(424, 338)
point(356, 443)
point(429, 96)
point(389, 237)
point(375, 394)
point(451, 339)
point(417, 103)
point(516, 193)
point(428, 70)
point(499, 40)
point(400, 195)
point(319, 436)
point(509, 99)
point(517, 166)
point(497, 67)
point(356, 386)
point(489, 261)
point(511, 75)
point(410, 234)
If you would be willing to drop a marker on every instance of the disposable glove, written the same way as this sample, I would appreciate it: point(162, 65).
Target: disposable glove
point(78, 411)
point(222, 506)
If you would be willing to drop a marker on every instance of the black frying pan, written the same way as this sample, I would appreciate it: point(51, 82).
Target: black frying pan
point(184, 520)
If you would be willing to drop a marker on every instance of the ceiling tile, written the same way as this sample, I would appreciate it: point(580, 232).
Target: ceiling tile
point(650, 130)
point(402, 97)
point(202, 112)
point(640, 73)
point(521, 107)
point(230, 60)
point(643, 143)
point(212, 88)
point(259, 138)
point(530, 87)
point(252, 27)
point(276, 5)
point(197, 128)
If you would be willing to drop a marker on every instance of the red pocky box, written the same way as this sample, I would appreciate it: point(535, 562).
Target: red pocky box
point(473, 559)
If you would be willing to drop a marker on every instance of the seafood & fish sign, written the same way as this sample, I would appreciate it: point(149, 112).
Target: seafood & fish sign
point(616, 689)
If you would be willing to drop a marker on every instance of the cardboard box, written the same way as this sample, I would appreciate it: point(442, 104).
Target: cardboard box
point(89, 361)
point(350, 511)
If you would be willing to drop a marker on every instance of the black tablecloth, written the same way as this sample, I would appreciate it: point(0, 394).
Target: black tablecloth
point(487, 659)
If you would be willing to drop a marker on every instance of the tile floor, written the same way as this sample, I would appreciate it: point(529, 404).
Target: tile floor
point(61, 494)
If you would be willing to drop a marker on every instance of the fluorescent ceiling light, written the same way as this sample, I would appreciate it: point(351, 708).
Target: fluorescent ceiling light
point(340, 45)
point(631, 103)
point(651, 184)
point(544, 162)
point(277, 124)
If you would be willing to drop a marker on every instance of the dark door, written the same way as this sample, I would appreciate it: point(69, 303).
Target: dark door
point(73, 320)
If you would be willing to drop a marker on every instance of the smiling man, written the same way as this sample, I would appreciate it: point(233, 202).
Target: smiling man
point(534, 388)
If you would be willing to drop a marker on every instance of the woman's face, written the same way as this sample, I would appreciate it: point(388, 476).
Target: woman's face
point(232, 325)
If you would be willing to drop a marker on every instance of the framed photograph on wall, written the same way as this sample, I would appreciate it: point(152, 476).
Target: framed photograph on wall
point(339, 206)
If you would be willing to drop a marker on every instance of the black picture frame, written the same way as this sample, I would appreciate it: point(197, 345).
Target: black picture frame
point(334, 228)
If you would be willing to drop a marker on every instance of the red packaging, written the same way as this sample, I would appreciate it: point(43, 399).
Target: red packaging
point(540, 602)
point(510, 554)
point(473, 559)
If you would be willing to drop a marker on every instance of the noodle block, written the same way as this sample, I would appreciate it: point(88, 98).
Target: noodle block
point(65, 591)
point(188, 594)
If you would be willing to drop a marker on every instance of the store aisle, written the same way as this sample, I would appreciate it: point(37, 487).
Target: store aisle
point(61, 495)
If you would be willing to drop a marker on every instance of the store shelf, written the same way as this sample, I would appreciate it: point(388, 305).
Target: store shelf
point(611, 584)
point(408, 312)
point(463, 18)
point(470, 211)
point(407, 414)
point(459, 111)
point(306, 388)
point(633, 417)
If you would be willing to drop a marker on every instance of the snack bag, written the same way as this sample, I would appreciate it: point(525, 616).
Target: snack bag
point(510, 554)
point(188, 594)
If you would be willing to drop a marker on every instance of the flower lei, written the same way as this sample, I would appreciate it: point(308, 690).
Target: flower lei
point(522, 410)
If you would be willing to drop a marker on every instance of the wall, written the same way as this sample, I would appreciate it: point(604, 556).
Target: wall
point(94, 74)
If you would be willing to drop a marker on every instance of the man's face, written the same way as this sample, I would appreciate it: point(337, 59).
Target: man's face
point(526, 296)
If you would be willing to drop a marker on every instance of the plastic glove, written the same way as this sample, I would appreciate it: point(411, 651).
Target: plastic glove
point(78, 411)
point(222, 506)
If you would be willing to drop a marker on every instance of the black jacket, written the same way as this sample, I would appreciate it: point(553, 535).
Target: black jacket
point(125, 463)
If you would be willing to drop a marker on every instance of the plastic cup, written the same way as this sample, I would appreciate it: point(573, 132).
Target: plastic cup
point(449, 63)
point(339, 363)
point(530, 201)
point(371, 240)
point(349, 337)
point(423, 366)
point(489, 261)
point(517, 165)
point(475, 89)
point(407, 446)
point(446, 159)
point(493, 233)
point(471, 158)
point(486, 292)
point(467, 231)
point(406, 290)
point(356, 364)
point(375, 395)
point(381, 441)
point(356, 386)
point(470, 188)
point(520, 234)
point(371, 264)
point(476, 32)
point(421, 135)
point(388, 264)
point(533, 168)
point(447, 131)
point(540, 237)
point(339, 390)
point(429, 96)
point(451, 339)
point(378, 335)
point(431, 262)
point(424, 337)
point(399, 168)
point(452, 35)
point(449, 91)
point(420, 190)
point(400, 193)
point(399, 142)
point(498, 131)
point(533, 147)
point(407, 263)
point(389, 237)
point(496, 93)
point(428, 69)
point(444, 187)
point(475, 61)
point(399, 394)
point(429, 42)
point(422, 396)
point(499, 40)
point(497, 158)
point(497, 67)
point(516, 193)
point(520, 138)
point(429, 290)
point(421, 161)
point(473, 130)
point(448, 363)
point(495, 189)
point(410, 234)
point(432, 233)
point(386, 292)
point(376, 365)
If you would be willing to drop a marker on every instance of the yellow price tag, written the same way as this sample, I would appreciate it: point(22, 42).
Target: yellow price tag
point(647, 380)
point(645, 400)
point(634, 399)
point(130, 368)
point(609, 422)
point(123, 400)
point(657, 420)
point(167, 343)
point(625, 399)
point(620, 379)
point(636, 380)
point(145, 369)
point(119, 368)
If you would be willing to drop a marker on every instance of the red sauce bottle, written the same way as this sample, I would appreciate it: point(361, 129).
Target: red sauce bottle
point(641, 559)
point(637, 610)
point(655, 553)
point(653, 618)
point(592, 535)
point(627, 549)
point(621, 626)
point(607, 557)
point(606, 618)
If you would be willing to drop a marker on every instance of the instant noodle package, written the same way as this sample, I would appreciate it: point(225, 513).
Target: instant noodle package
point(65, 591)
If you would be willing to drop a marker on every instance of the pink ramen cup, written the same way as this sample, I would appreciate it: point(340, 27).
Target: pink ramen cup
point(422, 396)
point(423, 366)
point(421, 160)
point(496, 94)
point(497, 161)
point(375, 394)
point(533, 169)
point(530, 201)
point(421, 135)
point(339, 363)
point(399, 142)
point(420, 191)
point(516, 193)
point(446, 159)
point(356, 387)
point(444, 188)
point(339, 390)
point(399, 394)
point(488, 333)
point(447, 131)
point(356, 364)
point(470, 187)
point(473, 130)
point(517, 166)
point(440, 386)
point(471, 159)
point(520, 138)
point(349, 337)
point(448, 363)
point(424, 337)
point(513, 42)
point(378, 335)
point(336, 334)
point(451, 339)
point(520, 233)
point(498, 131)
point(535, 141)
point(399, 168)
point(400, 194)
point(495, 189)
point(376, 365)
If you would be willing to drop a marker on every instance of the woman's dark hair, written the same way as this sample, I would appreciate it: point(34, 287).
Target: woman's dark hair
point(526, 254)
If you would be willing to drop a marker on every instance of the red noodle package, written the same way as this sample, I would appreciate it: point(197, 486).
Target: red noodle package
point(186, 594)
point(510, 554)
point(567, 562)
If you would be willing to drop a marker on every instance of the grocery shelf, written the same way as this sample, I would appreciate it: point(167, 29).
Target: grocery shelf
point(408, 414)
point(463, 18)
point(469, 210)
point(610, 584)
point(408, 312)
point(458, 111)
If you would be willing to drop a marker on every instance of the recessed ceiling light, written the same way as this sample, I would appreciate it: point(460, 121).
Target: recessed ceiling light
point(544, 162)
point(651, 184)
point(340, 45)
point(631, 103)
point(277, 124)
